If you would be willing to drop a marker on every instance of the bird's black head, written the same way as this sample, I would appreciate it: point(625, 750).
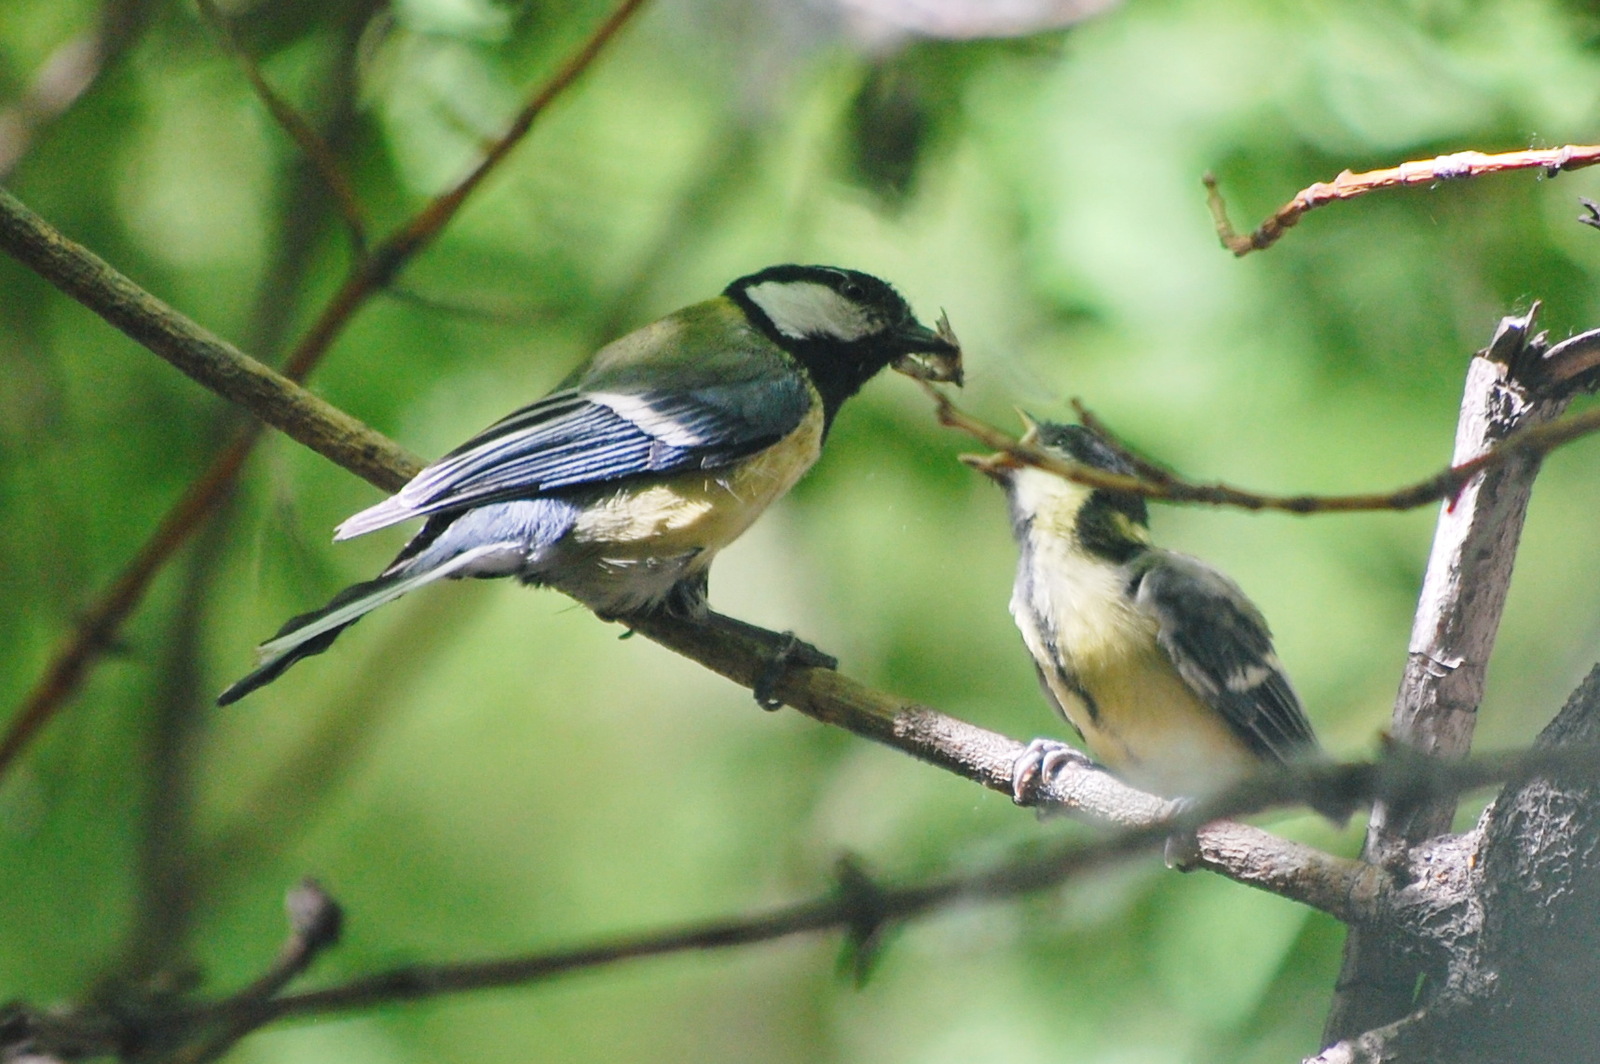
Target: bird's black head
point(1107, 523)
point(844, 326)
point(1085, 446)
point(1082, 445)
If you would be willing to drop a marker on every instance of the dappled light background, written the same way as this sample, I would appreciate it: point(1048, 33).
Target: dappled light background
point(479, 769)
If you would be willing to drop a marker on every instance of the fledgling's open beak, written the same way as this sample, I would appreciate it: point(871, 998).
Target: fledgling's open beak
point(928, 354)
point(997, 467)
point(1001, 465)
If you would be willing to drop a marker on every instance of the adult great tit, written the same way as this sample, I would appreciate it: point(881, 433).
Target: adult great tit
point(619, 487)
point(1159, 661)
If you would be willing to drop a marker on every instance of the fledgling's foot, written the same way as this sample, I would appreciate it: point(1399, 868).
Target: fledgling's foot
point(1039, 763)
point(1182, 849)
point(792, 651)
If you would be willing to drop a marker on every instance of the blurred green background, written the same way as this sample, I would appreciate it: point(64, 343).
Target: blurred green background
point(482, 770)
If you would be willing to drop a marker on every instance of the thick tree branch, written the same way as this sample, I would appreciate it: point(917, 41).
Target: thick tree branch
point(1457, 617)
point(1518, 972)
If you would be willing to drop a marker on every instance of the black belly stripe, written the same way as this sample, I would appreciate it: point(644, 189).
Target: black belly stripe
point(1070, 682)
point(1054, 699)
point(1063, 674)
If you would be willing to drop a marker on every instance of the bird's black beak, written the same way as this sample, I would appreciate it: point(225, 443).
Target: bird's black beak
point(927, 354)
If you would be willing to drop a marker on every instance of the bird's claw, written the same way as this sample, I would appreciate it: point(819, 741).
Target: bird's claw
point(792, 651)
point(1040, 762)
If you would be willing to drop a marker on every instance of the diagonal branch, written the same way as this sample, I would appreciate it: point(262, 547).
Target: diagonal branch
point(863, 908)
point(430, 220)
point(29, 239)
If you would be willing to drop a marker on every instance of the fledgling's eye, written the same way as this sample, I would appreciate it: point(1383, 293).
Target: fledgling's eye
point(852, 290)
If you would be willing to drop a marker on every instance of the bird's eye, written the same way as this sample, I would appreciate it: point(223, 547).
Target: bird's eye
point(852, 290)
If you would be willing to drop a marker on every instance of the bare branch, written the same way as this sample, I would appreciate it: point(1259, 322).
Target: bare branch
point(315, 923)
point(78, 272)
point(213, 363)
point(1154, 482)
point(1515, 972)
point(1376, 1046)
point(1463, 164)
point(862, 906)
point(426, 224)
point(201, 355)
point(1452, 636)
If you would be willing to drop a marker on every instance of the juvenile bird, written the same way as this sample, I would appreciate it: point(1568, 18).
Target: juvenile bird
point(619, 487)
point(1159, 661)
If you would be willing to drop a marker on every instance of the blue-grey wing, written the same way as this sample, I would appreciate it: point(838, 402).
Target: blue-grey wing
point(1221, 646)
point(580, 436)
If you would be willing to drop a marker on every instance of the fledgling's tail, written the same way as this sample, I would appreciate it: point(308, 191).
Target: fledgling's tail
point(312, 633)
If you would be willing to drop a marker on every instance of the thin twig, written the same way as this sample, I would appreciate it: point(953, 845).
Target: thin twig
point(425, 225)
point(1153, 482)
point(864, 907)
point(85, 645)
point(1463, 164)
point(315, 923)
point(299, 130)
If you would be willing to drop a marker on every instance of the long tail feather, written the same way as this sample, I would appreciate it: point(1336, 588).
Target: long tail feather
point(312, 633)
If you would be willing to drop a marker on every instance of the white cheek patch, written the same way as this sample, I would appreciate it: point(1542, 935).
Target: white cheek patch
point(1051, 500)
point(804, 309)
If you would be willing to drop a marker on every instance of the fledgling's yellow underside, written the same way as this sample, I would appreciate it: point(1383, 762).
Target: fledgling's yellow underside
point(1149, 726)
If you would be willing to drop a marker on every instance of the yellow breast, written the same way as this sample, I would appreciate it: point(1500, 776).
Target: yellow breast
point(630, 545)
point(698, 512)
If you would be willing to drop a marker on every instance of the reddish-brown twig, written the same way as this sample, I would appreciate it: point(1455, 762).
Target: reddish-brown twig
point(1153, 482)
point(307, 139)
point(369, 276)
point(1461, 164)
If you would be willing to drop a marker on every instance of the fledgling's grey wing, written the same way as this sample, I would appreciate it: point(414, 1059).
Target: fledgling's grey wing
point(1221, 646)
point(606, 429)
